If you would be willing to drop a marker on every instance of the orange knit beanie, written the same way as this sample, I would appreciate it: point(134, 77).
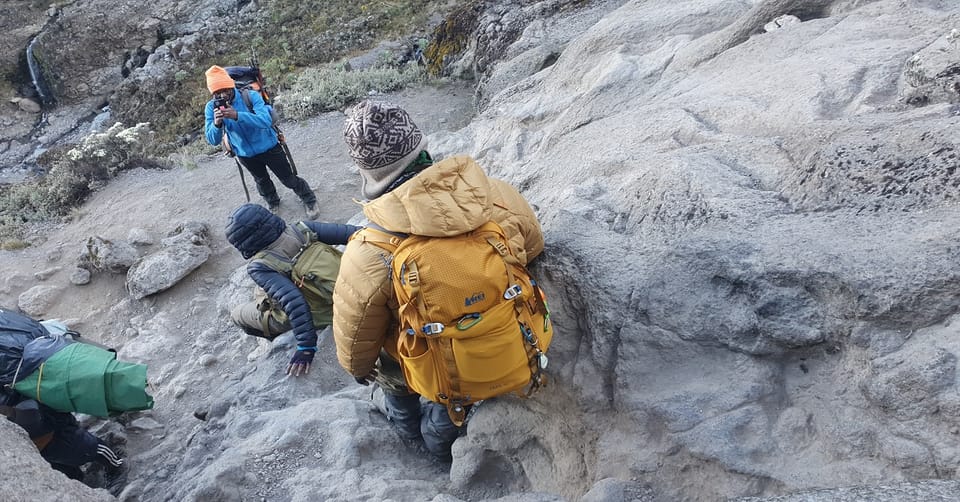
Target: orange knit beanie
point(218, 79)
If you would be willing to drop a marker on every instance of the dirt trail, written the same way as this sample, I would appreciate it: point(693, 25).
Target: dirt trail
point(156, 201)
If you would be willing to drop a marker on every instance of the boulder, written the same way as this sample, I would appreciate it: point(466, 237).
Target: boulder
point(185, 249)
point(29, 477)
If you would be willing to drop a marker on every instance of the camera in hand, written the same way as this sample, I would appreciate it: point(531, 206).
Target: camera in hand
point(220, 103)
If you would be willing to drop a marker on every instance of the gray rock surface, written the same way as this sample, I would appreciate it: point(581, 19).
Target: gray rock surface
point(924, 491)
point(37, 300)
point(185, 249)
point(107, 255)
point(751, 255)
point(26, 477)
point(80, 276)
point(714, 229)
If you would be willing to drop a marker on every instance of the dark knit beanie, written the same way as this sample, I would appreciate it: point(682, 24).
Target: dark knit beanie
point(383, 141)
point(252, 227)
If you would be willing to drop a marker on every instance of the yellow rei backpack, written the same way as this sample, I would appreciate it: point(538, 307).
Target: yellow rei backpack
point(473, 323)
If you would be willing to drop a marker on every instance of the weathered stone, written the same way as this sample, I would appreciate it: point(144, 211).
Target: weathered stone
point(33, 479)
point(781, 22)
point(927, 491)
point(140, 237)
point(46, 274)
point(906, 383)
point(29, 105)
point(80, 276)
point(107, 255)
point(144, 424)
point(616, 490)
point(37, 300)
point(932, 75)
point(181, 253)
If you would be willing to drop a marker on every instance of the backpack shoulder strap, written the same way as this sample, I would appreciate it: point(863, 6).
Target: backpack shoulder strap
point(399, 235)
point(274, 261)
point(274, 118)
point(245, 95)
point(380, 237)
point(306, 235)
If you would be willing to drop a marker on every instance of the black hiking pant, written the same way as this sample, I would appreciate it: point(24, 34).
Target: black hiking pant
point(71, 446)
point(276, 161)
point(412, 419)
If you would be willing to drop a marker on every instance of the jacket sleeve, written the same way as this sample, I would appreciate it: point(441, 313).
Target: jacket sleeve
point(279, 287)
point(332, 233)
point(363, 307)
point(518, 221)
point(259, 118)
point(213, 133)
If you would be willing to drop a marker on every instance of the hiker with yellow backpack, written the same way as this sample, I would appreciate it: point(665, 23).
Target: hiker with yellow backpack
point(294, 267)
point(434, 299)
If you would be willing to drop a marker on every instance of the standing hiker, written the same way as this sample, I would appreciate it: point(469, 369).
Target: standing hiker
point(438, 234)
point(295, 269)
point(252, 139)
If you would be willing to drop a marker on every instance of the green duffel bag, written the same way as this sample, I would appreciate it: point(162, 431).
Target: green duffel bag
point(87, 379)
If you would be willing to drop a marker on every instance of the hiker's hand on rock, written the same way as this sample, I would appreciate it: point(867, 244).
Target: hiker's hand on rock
point(368, 378)
point(300, 362)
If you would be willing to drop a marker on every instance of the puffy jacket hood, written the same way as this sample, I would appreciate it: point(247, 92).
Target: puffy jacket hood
point(448, 198)
point(252, 227)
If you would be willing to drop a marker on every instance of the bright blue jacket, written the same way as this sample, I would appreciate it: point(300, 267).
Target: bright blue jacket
point(251, 134)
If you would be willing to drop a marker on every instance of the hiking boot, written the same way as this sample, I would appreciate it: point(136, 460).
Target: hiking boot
point(405, 422)
point(313, 210)
point(378, 399)
point(274, 207)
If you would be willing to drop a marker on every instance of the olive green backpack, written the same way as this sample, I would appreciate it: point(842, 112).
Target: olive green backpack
point(314, 271)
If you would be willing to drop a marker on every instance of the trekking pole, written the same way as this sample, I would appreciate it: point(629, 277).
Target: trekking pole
point(286, 150)
point(242, 179)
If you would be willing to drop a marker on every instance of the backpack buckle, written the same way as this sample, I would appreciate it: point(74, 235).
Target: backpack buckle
point(512, 292)
point(433, 328)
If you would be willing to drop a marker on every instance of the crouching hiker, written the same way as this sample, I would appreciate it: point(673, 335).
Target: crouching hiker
point(294, 267)
point(433, 299)
point(58, 436)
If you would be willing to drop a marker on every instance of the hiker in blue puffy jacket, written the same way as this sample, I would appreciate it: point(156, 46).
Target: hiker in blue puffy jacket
point(253, 140)
point(252, 229)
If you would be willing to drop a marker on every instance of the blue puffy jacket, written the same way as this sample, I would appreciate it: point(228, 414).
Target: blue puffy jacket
point(250, 134)
point(281, 288)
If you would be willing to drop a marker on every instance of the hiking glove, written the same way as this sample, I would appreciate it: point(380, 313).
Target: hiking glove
point(300, 362)
point(368, 378)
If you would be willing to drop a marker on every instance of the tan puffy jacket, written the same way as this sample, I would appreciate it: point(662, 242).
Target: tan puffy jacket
point(449, 198)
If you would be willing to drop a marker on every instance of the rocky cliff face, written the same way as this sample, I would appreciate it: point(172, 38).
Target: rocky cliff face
point(84, 52)
point(755, 237)
point(144, 61)
point(751, 225)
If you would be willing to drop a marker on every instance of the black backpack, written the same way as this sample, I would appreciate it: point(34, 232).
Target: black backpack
point(16, 331)
point(250, 78)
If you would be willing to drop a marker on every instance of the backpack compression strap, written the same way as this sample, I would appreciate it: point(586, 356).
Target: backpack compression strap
point(380, 237)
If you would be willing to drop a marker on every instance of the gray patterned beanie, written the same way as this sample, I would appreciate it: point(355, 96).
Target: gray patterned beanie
point(383, 141)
